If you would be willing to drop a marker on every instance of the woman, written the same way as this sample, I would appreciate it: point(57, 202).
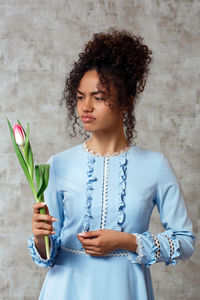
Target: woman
point(102, 192)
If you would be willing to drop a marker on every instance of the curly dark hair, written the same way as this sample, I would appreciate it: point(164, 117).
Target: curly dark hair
point(120, 59)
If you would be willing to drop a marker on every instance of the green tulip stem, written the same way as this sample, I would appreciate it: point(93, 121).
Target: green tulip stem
point(46, 238)
point(42, 211)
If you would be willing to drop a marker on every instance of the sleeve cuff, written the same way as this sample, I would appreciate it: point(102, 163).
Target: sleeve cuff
point(173, 246)
point(146, 248)
point(54, 246)
point(152, 249)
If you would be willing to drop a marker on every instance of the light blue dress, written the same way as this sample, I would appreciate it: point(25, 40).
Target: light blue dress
point(89, 192)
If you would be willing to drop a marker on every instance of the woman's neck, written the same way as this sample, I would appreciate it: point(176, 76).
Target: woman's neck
point(103, 144)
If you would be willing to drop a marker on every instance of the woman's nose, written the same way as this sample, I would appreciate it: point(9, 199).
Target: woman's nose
point(87, 105)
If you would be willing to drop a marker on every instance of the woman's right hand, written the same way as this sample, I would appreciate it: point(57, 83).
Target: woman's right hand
point(41, 226)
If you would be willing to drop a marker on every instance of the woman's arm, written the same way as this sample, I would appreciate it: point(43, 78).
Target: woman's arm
point(101, 242)
point(54, 213)
point(177, 240)
point(41, 226)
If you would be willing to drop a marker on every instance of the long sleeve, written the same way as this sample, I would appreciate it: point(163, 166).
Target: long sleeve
point(54, 202)
point(177, 241)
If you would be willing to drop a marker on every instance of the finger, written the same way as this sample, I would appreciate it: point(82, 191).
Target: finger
point(91, 252)
point(43, 232)
point(38, 206)
point(89, 242)
point(46, 209)
point(81, 239)
point(90, 234)
point(92, 248)
point(42, 225)
point(44, 218)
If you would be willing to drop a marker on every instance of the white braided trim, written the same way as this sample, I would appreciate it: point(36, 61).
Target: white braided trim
point(111, 254)
point(105, 193)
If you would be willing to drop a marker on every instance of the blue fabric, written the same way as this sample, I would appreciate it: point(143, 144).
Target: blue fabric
point(138, 180)
point(54, 247)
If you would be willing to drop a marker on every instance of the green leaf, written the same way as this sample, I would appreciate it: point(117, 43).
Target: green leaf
point(21, 125)
point(38, 176)
point(28, 152)
point(20, 157)
point(42, 178)
point(30, 160)
point(27, 143)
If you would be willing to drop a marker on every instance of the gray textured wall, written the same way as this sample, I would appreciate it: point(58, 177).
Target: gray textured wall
point(39, 40)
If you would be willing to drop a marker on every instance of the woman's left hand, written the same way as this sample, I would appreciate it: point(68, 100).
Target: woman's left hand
point(100, 242)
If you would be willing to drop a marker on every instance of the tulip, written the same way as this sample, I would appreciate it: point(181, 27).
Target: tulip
point(21, 138)
point(19, 135)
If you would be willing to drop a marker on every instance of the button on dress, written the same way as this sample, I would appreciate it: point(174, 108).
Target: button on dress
point(88, 192)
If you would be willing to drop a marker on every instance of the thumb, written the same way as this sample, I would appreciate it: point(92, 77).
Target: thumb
point(90, 234)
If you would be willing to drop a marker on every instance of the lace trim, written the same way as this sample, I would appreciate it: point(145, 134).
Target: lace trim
point(171, 245)
point(148, 254)
point(174, 247)
point(105, 193)
point(111, 254)
point(85, 146)
point(142, 256)
point(139, 249)
point(157, 245)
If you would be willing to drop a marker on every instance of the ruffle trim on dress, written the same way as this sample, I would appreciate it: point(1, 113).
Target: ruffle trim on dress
point(174, 246)
point(54, 246)
point(142, 258)
point(121, 191)
point(148, 260)
point(89, 192)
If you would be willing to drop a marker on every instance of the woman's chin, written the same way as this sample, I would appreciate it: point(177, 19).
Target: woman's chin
point(87, 126)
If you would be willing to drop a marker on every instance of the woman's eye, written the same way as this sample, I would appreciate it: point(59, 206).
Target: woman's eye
point(79, 97)
point(99, 98)
point(96, 98)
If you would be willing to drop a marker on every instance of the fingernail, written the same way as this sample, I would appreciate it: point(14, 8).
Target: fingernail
point(54, 219)
point(43, 203)
point(82, 233)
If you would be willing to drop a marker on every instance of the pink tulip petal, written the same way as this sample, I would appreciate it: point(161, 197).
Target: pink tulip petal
point(19, 135)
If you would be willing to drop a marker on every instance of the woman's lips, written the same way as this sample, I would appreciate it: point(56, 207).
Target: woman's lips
point(87, 119)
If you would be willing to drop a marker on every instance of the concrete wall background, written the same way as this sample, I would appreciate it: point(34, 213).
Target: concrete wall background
point(38, 42)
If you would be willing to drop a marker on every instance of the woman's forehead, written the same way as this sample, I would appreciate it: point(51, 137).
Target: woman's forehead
point(90, 81)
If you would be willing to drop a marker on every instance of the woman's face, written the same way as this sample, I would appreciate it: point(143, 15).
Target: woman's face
point(92, 105)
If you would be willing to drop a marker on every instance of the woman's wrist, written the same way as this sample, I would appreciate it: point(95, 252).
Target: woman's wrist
point(40, 246)
point(127, 241)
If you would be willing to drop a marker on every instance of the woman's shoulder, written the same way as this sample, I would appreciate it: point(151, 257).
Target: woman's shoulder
point(71, 158)
point(71, 153)
point(147, 153)
point(146, 156)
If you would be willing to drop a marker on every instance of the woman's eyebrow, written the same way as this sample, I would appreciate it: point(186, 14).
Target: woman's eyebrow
point(93, 93)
